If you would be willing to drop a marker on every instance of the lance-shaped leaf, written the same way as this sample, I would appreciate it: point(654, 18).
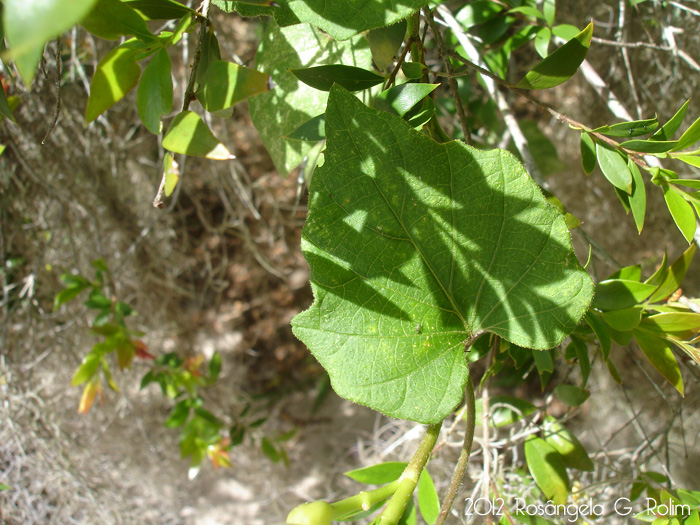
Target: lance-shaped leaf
point(415, 248)
point(155, 94)
point(160, 9)
point(190, 135)
point(658, 351)
point(560, 65)
point(28, 24)
point(633, 128)
point(350, 77)
point(681, 212)
point(614, 167)
point(116, 74)
point(225, 84)
point(111, 19)
point(548, 469)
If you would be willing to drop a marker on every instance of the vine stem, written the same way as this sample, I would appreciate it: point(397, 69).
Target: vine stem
point(189, 92)
point(461, 468)
point(409, 479)
point(454, 91)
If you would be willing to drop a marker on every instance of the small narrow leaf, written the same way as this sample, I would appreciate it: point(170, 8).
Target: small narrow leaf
point(547, 468)
point(614, 167)
point(542, 39)
point(584, 360)
point(571, 395)
point(566, 444)
point(116, 74)
point(401, 99)
point(561, 64)
point(171, 173)
point(378, 474)
point(673, 322)
point(269, 449)
point(565, 31)
point(384, 43)
point(350, 77)
point(601, 332)
point(210, 54)
point(690, 137)
point(638, 199)
point(688, 159)
point(188, 134)
point(88, 368)
point(669, 129)
point(413, 70)
point(28, 24)
point(111, 19)
point(623, 320)
point(428, 500)
point(179, 414)
point(155, 93)
point(616, 294)
point(313, 130)
point(588, 153)
point(633, 128)
point(225, 84)
point(527, 11)
point(672, 277)
point(649, 146)
point(160, 9)
point(681, 212)
point(658, 351)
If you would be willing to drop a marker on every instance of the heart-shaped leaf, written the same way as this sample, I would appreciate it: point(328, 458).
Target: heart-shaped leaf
point(416, 248)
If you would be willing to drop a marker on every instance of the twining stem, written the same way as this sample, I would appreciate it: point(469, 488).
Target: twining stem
point(444, 53)
point(409, 479)
point(463, 461)
point(556, 114)
point(365, 500)
point(204, 27)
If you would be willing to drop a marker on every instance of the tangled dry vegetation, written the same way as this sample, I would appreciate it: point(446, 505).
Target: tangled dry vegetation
point(220, 269)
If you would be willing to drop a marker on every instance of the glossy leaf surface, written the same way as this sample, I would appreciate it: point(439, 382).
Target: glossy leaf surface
point(561, 65)
point(441, 236)
point(188, 134)
point(116, 74)
point(225, 84)
point(155, 93)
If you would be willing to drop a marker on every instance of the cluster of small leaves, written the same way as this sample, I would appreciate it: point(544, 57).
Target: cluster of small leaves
point(110, 325)
point(620, 162)
point(626, 308)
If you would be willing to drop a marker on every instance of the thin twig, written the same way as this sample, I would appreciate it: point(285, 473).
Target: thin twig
point(443, 52)
point(615, 43)
point(399, 62)
point(490, 83)
point(626, 57)
point(203, 28)
point(59, 75)
point(461, 468)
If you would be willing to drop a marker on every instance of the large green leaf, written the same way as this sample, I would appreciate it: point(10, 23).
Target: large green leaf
point(341, 19)
point(116, 74)
point(28, 24)
point(415, 247)
point(292, 103)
